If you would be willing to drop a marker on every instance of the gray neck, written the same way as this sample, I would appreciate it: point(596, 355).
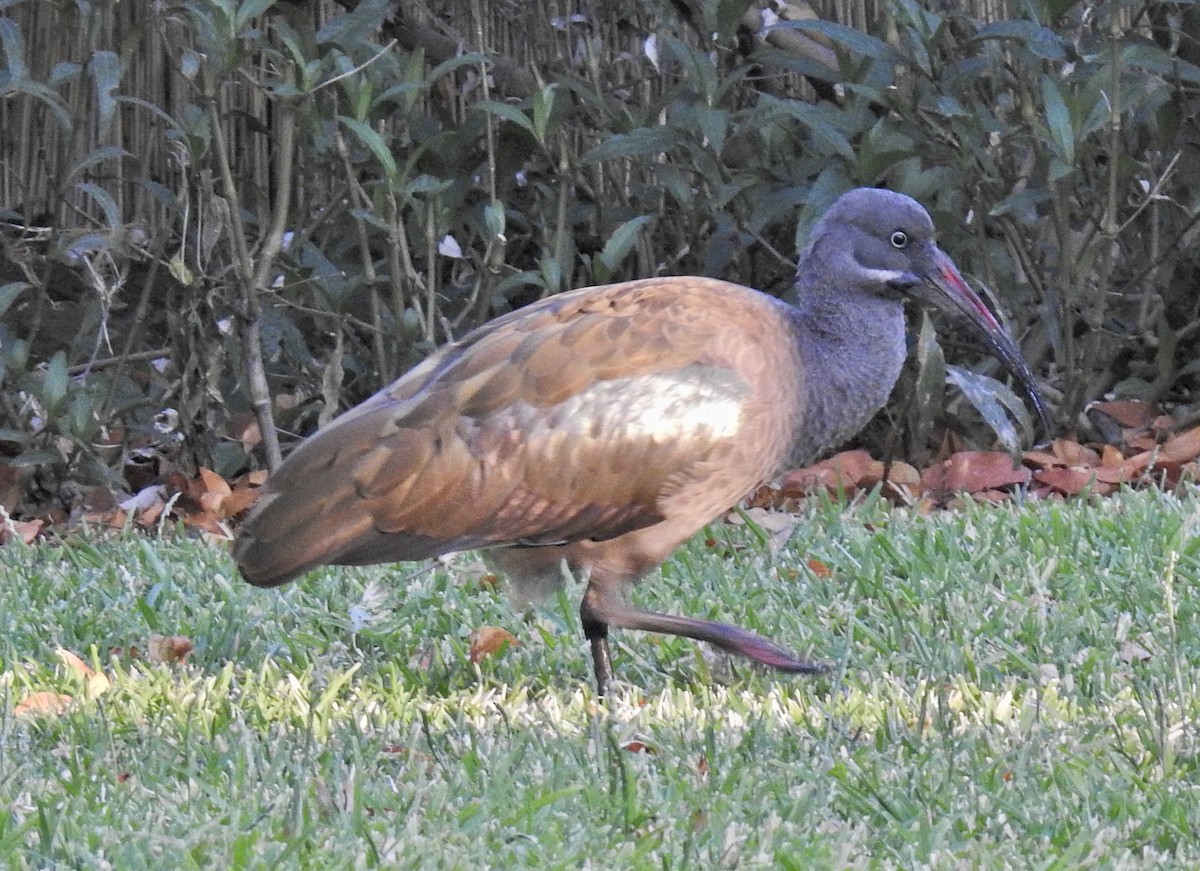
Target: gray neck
point(852, 349)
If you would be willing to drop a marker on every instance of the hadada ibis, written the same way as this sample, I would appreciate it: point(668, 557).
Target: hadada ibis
point(596, 430)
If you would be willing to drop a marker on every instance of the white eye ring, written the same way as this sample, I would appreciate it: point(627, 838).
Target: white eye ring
point(899, 239)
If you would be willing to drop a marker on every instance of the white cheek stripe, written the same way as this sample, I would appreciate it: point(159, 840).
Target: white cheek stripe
point(883, 276)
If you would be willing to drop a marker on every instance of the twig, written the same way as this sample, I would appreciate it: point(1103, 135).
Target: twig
point(362, 66)
point(118, 360)
point(251, 279)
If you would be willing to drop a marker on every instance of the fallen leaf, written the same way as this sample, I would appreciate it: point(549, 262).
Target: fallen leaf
point(1142, 443)
point(779, 525)
point(74, 664)
point(1183, 447)
point(819, 568)
point(114, 518)
point(636, 746)
point(1072, 453)
point(95, 683)
point(1110, 456)
point(1072, 482)
point(1165, 474)
point(54, 704)
point(1045, 459)
point(24, 530)
point(205, 521)
point(141, 500)
point(1127, 471)
point(239, 500)
point(150, 515)
point(1131, 652)
point(1126, 413)
point(168, 648)
point(842, 472)
point(974, 472)
point(900, 473)
point(210, 490)
point(490, 640)
point(256, 478)
point(244, 427)
point(10, 488)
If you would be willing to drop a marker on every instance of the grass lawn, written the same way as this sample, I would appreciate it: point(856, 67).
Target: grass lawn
point(1011, 687)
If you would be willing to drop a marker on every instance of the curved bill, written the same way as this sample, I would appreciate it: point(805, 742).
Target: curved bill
point(944, 287)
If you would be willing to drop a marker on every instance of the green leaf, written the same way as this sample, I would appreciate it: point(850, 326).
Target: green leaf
point(1153, 59)
point(370, 137)
point(698, 64)
point(179, 270)
point(78, 247)
point(1020, 201)
point(621, 241)
point(112, 213)
point(49, 98)
point(105, 70)
point(254, 8)
point(543, 111)
point(814, 117)
point(1058, 119)
point(108, 152)
point(36, 457)
point(190, 63)
point(9, 293)
point(856, 43)
point(1015, 404)
point(63, 72)
point(16, 353)
point(929, 395)
point(291, 40)
point(643, 141)
point(426, 184)
point(81, 416)
point(1041, 41)
point(493, 218)
point(172, 124)
point(551, 273)
point(12, 40)
point(729, 17)
point(507, 112)
point(55, 382)
point(713, 124)
point(674, 181)
point(357, 26)
point(360, 89)
point(448, 66)
point(983, 393)
point(796, 63)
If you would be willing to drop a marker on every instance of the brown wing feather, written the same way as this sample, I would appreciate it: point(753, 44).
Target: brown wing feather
point(577, 418)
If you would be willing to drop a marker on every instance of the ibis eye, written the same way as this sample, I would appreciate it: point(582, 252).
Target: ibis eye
point(899, 239)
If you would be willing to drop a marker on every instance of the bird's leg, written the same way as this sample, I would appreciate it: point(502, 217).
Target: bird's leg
point(603, 608)
point(596, 632)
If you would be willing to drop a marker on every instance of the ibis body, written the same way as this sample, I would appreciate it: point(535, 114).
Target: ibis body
point(597, 430)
